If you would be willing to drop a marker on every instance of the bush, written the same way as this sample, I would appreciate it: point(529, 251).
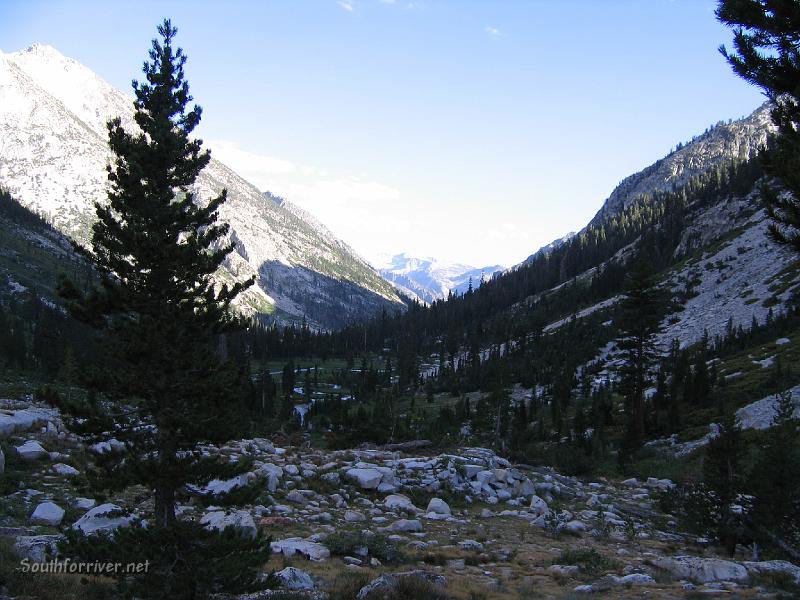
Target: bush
point(186, 560)
point(346, 543)
point(589, 559)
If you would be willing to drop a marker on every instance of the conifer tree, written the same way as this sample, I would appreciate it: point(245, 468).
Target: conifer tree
point(767, 54)
point(156, 247)
point(641, 314)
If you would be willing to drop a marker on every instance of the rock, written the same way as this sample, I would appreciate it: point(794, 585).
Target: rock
point(612, 581)
point(438, 506)
point(400, 502)
point(368, 479)
point(296, 497)
point(632, 482)
point(575, 526)
point(485, 514)
point(37, 548)
point(47, 513)
point(112, 445)
point(291, 470)
point(773, 566)
point(21, 420)
point(106, 517)
point(702, 570)
point(471, 545)
point(295, 579)
point(353, 516)
point(66, 470)
point(294, 546)
point(406, 525)
point(240, 520)
point(84, 503)
point(333, 478)
point(539, 506)
point(564, 570)
point(31, 450)
point(387, 581)
point(352, 561)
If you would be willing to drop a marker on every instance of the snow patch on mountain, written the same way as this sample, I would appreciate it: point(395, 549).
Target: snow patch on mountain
point(427, 279)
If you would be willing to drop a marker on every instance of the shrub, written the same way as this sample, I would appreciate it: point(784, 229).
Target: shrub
point(589, 559)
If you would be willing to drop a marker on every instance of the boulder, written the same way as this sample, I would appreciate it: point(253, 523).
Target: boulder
point(295, 579)
point(296, 497)
point(383, 584)
point(20, 420)
point(47, 513)
point(702, 570)
point(298, 546)
point(539, 506)
point(106, 517)
point(773, 566)
point(400, 502)
point(31, 450)
point(241, 520)
point(438, 506)
point(406, 525)
point(37, 548)
point(353, 516)
point(66, 470)
point(84, 503)
point(367, 479)
point(471, 545)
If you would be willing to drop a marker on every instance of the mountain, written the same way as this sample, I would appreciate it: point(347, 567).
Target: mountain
point(548, 248)
point(427, 279)
point(53, 157)
point(719, 144)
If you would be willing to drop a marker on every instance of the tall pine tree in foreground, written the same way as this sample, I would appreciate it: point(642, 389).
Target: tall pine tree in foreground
point(166, 387)
point(767, 54)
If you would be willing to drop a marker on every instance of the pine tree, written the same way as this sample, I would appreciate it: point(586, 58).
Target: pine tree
point(156, 249)
point(767, 54)
point(641, 314)
point(776, 476)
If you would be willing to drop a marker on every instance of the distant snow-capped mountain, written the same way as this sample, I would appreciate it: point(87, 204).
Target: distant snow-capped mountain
point(53, 157)
point(427, 279)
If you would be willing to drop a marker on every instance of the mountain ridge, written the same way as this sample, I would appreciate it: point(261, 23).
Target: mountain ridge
point(53, 157)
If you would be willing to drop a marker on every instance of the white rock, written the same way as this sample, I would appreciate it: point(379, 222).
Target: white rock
point(106, 518)
point(702, 570)
point(438, 506)
point(771, 566)
point(368, 479)
point(353, 516)
point(295, 579)
point(471, 545)
point(112, 445)
point(47, 513)
point(400, 502)
point(294, 546)
point(31, 450)
point(66, 470)
point(37, 548)
point(84, 503)
point(564, 570)
point(407, 525)
point(241, 520)
point(575, 526)
point(539, 506)
point(21, 420)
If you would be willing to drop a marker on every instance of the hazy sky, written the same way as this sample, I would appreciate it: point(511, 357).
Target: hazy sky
point(467, 130)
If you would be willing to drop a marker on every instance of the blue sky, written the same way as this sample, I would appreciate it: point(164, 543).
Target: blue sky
point(468, 130)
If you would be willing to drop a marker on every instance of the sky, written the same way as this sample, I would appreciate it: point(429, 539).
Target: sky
point(473, 131)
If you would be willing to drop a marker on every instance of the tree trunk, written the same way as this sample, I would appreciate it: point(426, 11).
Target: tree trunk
point(164, 505)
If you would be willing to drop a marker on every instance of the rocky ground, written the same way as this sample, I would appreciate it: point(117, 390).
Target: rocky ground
point(468, 521)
